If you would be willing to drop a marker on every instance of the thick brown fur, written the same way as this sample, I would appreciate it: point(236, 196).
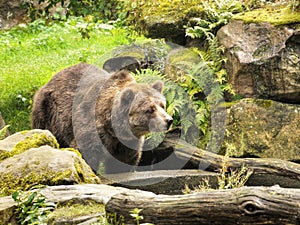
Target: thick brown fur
point(99, 113)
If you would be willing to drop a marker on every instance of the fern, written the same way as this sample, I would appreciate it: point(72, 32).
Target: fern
point(217, 14)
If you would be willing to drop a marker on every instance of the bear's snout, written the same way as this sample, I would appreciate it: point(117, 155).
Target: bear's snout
point(169, 122)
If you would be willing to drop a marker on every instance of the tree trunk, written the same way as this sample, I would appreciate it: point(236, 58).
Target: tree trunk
point(247, 205)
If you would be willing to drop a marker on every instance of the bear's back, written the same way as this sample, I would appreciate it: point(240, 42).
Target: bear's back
point(53, 104)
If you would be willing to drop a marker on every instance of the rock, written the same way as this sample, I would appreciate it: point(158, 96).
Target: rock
point(24, 140)
point(263, 128)
point(140, 55)
point(43, 165)
point(163, 19)
point(120, 63)
point(263, 60)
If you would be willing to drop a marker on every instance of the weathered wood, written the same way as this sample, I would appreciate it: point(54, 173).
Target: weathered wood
point(169, 182)
point(247, 205)
point(266, 171)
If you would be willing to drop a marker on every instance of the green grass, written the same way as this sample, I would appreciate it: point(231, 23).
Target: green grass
point(31, 54)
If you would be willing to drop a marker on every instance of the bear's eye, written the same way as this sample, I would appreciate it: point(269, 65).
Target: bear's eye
point(151, 110)
point(162, 106)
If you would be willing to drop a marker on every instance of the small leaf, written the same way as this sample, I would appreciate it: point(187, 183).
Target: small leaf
point(30, 198)
point(15, 196)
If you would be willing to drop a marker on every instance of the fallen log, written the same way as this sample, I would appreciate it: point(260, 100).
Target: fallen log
point(266, 171)
point(246, 205)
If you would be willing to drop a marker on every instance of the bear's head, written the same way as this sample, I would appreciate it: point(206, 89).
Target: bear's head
point(140, 109)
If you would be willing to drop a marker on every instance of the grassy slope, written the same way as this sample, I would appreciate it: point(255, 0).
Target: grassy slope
point(31, 55)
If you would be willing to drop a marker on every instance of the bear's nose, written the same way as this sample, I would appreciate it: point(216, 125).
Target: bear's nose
point(169, 122)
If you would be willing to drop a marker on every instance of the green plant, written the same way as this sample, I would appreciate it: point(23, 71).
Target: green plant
point(230, 179)
point(114, 219)
point(32, 207)
point(135, 213)
point(216, 14)
point(227, 179)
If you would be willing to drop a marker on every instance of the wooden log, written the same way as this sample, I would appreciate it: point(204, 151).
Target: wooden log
point(246, 205)
point(266, 171)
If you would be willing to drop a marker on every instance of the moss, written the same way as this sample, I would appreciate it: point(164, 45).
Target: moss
point(71, 211)
point(166, 9)
point(72, 150)
point(164, 18)
point(87, 176)
point(264, 103)
point(275, 16)
point(9, 183)
point(34, 141)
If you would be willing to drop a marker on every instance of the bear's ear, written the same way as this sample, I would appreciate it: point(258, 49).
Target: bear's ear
point(122, 75)
point(158, 85)
point(127, 96)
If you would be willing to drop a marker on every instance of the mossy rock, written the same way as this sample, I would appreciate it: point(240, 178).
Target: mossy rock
point(165, 19)
point(274, 15)
point(24, 140)
point(44, 165)
point(263, 128)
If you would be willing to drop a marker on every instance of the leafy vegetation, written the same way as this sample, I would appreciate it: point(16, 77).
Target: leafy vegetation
point(216, 14)
point(32, 207)
point(114, 219)
point(135, 213)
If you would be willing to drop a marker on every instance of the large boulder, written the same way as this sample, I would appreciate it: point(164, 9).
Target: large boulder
point(263, 60)
point(33, 157)
point(165, 19)
point(24, 140)
point(263, 128)
point(43, 165)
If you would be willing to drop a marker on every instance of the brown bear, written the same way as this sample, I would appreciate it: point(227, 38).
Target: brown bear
point(106, 116)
